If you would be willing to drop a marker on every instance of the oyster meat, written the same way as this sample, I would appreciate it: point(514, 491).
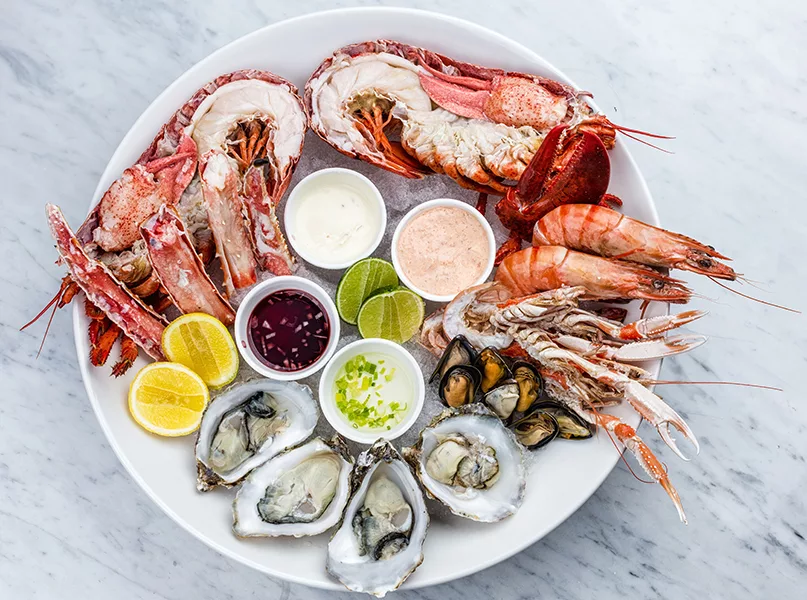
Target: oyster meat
point(249, 424)
point(468, 460)
point(380, 540)
point(300, 492)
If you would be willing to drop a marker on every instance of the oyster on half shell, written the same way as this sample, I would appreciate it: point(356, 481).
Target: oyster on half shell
point(249, 424)
point(300, 492)
point(468, 460)
point(379, 542)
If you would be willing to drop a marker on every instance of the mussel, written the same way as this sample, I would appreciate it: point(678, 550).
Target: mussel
point(493, 369)
point(571, 426)
point(503, 399)
point(458, 352)
point(459, 385)
point(536, 429)
point(530, 384)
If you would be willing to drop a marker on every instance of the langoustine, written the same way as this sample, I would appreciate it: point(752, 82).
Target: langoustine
point(211, 178)
point(585, 358)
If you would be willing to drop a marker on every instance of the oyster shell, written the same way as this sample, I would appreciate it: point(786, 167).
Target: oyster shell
point(300, 492)
point(379, 542)
point(468, 460)
point(249, 424)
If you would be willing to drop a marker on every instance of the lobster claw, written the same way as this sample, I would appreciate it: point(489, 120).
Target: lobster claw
point(570, 167)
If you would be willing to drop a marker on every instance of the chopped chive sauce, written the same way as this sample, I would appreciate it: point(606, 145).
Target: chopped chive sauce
point(371, 392)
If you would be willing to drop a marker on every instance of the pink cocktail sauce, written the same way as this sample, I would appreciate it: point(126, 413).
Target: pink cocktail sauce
point(443, 250)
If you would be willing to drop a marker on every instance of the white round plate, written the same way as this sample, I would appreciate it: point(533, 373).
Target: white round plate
point(561, 476)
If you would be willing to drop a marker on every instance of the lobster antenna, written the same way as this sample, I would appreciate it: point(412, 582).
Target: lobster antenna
point(765, 302)
point(43, 311)
point(47, 328)
point(646, 143)
point(627, 131)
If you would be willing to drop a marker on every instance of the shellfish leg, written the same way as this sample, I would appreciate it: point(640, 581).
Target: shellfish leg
point(180, 269)
point(634, 351)
point(645, 457)
point(128, 354)
point(104, 291)
point(262, 192)
point(101, 349)
point(225, 210)
point(572, 397)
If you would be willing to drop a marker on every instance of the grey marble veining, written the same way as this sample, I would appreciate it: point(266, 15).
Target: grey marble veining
point(728, 80)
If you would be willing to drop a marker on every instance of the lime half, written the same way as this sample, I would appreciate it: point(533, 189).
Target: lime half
point(359, 283)
point(394, 316)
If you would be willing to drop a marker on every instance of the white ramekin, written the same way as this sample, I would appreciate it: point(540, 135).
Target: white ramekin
point(337, 174)
point(327, 402)
point(491, 241)
point(258, 293)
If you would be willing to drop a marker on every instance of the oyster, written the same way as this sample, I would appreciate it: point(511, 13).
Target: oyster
point(379, 542)
point(300, 492)
point(468, 460)
point(249, 424)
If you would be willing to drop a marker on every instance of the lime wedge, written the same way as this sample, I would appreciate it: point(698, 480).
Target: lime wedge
point(360, 282)
point(394, 316)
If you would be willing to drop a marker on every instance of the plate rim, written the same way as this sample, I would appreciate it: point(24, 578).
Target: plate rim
point(78, 332)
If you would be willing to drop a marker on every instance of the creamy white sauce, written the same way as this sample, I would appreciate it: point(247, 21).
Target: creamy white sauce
point(334, 222)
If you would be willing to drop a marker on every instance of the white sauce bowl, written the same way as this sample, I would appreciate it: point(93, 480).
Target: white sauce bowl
point(337, 177)
point(439, 202)
point(327, 401)
point(258, 293)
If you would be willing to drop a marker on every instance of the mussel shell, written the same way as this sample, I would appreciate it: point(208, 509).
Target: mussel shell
point(503, 399)
point(458, 352)
point(530, 384)
point(571, 426)
point(492, 367)
point(459, 385)
point(536, 429)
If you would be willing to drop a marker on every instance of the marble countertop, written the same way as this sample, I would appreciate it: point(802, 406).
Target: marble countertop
point(728, 82)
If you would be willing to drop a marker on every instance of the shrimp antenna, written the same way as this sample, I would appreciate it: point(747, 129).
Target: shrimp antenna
point(739, 293)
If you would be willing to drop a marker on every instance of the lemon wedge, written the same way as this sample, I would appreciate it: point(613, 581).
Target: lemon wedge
point(168, 399)
point(203, 344)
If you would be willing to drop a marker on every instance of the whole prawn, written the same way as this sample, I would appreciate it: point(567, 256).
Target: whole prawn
point(600, 230)
point(550, 267)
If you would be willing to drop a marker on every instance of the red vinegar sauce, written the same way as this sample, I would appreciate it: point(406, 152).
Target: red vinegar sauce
point(289, 330)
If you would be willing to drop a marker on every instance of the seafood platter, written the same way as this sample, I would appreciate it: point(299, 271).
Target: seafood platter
point(385, 311)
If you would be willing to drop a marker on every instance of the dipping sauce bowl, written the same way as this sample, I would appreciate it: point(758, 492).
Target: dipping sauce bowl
point(287, 328)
